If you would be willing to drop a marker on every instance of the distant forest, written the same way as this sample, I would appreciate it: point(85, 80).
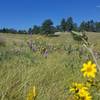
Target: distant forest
point(48, 27)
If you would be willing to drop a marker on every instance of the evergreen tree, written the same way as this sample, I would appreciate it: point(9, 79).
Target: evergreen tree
point(70, 24)
point(92, 27)
point(97, 26)
point(63, 25)
point(88, 26)
point(47, 27)
point(75, 27)
point(36, 29)
point(82, 26)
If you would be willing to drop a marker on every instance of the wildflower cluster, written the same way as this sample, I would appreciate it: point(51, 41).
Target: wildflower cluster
point(80, 91)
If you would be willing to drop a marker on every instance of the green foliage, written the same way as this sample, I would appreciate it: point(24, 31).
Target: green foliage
point(97, 26)
point(79, 36)
point(63, 25)
point(35, 30)
point(47, 27)
point(88, 26)
point(8, 30)
point(82, 26)
point(21, 32)
point(75, 27)
point(70, 24)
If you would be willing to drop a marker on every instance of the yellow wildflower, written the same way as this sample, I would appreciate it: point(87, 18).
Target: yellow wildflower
point(31, 93)
point(86, 97)
point(76, 87)
point(89, 69)
point(84, 94)
point(80, 92)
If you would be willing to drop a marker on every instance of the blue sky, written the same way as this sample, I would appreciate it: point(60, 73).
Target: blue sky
point(22, 14)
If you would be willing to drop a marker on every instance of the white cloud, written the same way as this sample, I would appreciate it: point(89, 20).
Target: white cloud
point(98, 6)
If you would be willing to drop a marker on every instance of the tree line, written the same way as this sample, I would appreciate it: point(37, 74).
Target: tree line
point(48, 27)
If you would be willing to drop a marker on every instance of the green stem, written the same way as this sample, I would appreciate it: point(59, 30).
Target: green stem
point(86, 45)
point(94, 58)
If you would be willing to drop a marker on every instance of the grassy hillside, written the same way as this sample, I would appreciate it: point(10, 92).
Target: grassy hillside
point(21, 68)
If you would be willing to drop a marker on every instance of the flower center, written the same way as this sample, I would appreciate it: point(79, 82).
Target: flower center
point(89, 69)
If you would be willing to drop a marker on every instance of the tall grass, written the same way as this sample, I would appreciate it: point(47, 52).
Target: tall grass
point(21, 68)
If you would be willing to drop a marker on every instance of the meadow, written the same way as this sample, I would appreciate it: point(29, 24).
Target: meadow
point(22, 67)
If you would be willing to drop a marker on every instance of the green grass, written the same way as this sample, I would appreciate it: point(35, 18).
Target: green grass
point(20, 68)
